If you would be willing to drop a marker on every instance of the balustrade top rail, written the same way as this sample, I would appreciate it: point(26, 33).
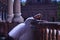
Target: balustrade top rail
point(45, 24)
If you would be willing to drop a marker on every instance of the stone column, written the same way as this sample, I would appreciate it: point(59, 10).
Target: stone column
point(10, 14)
point(17, 12)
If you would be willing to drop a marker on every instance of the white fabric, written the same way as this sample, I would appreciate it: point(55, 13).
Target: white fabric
point(22, 31)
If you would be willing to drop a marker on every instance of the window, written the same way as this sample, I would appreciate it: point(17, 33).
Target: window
point(23, 2)
point(38, 0)
point(58, 0)
point(54, 0)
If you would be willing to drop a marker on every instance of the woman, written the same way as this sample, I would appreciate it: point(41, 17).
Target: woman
point(23, 31)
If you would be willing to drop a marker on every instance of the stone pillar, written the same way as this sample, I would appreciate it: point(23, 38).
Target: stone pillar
point(17, 12)
point(10, 14)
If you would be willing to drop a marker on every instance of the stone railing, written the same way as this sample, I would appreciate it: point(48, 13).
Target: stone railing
point(46, 30)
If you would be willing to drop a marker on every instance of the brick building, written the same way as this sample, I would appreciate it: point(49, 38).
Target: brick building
point(48, 8)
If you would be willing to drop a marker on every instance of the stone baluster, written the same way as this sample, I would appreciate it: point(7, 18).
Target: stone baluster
point(10, 14)
point(17, 12)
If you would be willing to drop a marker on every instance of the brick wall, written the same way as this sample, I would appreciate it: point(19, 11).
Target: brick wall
point(49, 11)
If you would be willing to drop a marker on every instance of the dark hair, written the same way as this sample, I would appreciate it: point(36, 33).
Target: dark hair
point(38, 16)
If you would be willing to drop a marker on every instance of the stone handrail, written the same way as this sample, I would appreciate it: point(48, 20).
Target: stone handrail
point(41, 32)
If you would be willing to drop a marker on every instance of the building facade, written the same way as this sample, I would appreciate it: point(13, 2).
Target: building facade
point(48, 8)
